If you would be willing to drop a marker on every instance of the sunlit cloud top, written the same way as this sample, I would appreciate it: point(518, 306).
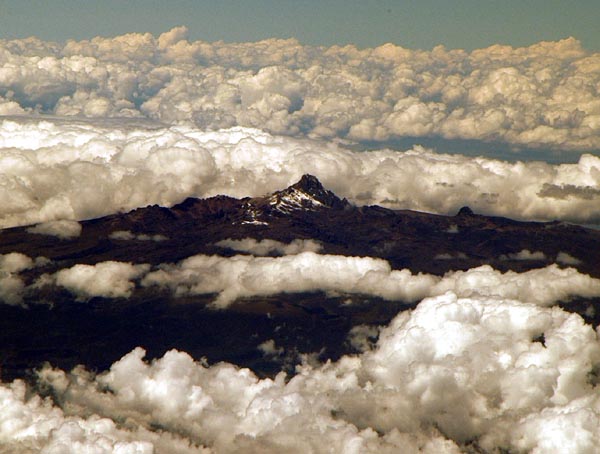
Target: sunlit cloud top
point(545, 95)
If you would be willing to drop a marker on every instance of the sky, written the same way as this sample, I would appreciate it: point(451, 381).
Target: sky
point(465, 24)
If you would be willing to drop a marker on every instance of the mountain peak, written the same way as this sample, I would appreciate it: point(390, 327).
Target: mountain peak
point(306, 194)
point(309, 184)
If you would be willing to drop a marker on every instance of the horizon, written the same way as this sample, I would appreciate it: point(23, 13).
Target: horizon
point(463, 24)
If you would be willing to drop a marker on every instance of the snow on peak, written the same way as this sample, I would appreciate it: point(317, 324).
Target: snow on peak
point(307, 194)
point(293, 199)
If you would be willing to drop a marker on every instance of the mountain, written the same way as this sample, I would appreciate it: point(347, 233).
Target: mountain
point(57, 327)
point(306, 210)
point(308, 194)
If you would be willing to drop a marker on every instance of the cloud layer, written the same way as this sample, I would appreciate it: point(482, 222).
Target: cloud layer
point(542, 95)
point(56, 170)
point(484, 372)
point(245, 276)
point(482, 363)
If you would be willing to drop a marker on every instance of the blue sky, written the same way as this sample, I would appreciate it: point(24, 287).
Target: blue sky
point(421, 24)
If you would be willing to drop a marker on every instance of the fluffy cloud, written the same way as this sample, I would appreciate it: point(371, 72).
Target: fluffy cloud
point(55, 170)
point(106, 279)
point(486, 373)
point(11, 285)
point(246, 276)
point(268, 247)
point(544, 95)
point(62, 229)
point(542, 286)
point(32, 424)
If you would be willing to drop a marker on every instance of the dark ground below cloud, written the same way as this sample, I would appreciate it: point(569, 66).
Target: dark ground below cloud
point(65, 332)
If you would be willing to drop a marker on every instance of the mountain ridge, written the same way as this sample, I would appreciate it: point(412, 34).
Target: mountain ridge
point(307, 210)
point(55, 327)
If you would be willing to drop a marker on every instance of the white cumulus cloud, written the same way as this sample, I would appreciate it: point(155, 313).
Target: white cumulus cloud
point(106, 279)
point(567, 259)
point(52, 170)
point(245, 276)
point(544, 95)
point(490, 373)
point(11, 284)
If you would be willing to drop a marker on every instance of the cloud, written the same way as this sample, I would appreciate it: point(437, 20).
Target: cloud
point(245, 276)
point(52, 170)
point(15, 262)
point(12, 286)
point(567, 259)
point(525, 254)
point(242, 276)
point(268, 348)
point(565, 191)
point(268, 246)
point(542, 286)
point(105, 279)
point(486, 373)
point(62, 229)
point(543, 95)
point(362, 337)
point(482, 363)
point(31, 424)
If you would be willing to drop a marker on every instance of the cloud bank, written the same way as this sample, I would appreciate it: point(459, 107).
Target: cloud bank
point(480, 373)
point(545, 95)
point(246, 276)
point(52, 170)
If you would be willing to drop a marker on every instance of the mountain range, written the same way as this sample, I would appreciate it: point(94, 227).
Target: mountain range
point(50, 323)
